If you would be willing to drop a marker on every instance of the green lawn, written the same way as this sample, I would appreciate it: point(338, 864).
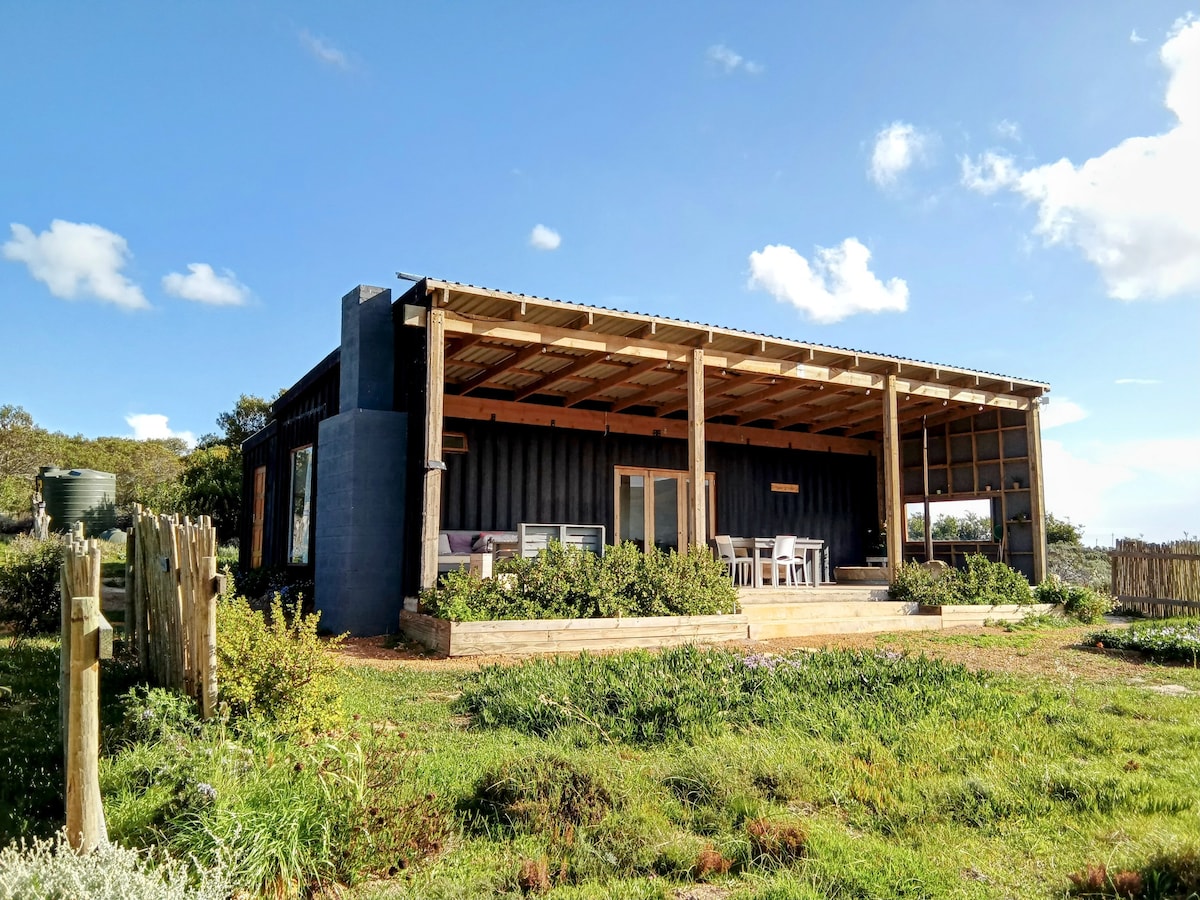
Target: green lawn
point(955, 785)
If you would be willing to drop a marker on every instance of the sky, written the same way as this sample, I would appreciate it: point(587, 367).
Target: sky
point(189, 189)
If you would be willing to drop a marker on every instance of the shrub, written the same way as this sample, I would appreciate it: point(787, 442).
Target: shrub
point(570, 583)
point(1076, 564)
point(1171, 641)
point(980, 583)
point(276, 668)
point(51, 870)
point(30, 598)
point(1086, 604)
point(152, 714)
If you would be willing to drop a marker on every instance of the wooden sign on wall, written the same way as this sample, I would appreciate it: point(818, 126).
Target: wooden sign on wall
point(782, 488)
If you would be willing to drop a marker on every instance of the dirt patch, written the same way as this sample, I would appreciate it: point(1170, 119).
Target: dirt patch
point(386, 652)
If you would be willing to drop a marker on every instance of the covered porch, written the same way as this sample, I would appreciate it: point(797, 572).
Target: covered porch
point(610, 418)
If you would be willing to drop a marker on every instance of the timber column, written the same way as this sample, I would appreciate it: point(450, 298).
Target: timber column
point(697, 514)
point(435, 392)
point(1037, 497)
point(892, 505)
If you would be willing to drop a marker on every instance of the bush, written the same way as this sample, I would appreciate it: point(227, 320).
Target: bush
point(153, 714)
point(1075, 564)
point(51, 870)
point(276, 668)
point(30, 597)
point(1170, 641)
point(980, 583)
point(1086, 604)
point(570, 583)
point(684, 693)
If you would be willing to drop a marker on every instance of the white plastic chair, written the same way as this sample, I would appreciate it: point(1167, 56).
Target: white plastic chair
point(734, 563)
point(783, 555)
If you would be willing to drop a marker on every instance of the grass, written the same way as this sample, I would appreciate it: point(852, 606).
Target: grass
point(852, 775)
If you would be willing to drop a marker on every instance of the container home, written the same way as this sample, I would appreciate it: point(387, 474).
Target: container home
point(456, 419)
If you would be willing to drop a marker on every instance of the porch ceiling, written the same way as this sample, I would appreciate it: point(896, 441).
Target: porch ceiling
point(509, 347)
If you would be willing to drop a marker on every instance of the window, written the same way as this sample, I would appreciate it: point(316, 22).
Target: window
point(302, 459)
point(953, 520)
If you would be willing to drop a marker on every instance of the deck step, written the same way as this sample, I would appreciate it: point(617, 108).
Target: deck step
point(804, 612)
point(837, 594)
point(760, 631)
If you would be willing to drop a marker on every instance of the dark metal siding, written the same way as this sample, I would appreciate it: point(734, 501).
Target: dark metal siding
point(297, 415)
point(517, 473)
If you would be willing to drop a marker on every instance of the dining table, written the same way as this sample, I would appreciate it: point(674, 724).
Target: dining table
point(809, 547)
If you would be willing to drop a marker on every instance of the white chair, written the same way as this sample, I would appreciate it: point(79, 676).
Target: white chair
point(734, 563)
point(783, 556)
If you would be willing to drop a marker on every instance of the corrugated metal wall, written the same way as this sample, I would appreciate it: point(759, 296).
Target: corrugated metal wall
point(515, 473)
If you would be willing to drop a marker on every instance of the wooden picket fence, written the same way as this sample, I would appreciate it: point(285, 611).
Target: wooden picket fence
point(171, 591)
point(1157, 579)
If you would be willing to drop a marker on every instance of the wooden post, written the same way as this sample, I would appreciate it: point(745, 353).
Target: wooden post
point(925, 491)
point(435, 388)
point(697, 523)
point(893, 506)
point(130, 570)
point(210, 590)
point(85, 813)
point(64, 653)
point(1037, 496)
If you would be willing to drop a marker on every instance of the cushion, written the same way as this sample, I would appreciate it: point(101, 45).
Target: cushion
point(460, 543)
point(444, 545)
point(483, 544)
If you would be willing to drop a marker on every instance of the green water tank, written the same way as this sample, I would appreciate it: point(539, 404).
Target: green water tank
point(79, 495)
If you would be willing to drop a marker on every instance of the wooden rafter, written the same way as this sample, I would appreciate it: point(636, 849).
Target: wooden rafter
point(780, 387)
point(671, 384)
point(559, 375)
point(842, 375)
point(512, 361)
point(672, 406)
point(605, 384)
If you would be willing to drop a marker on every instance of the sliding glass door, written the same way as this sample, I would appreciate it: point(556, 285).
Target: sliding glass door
point(652, 504)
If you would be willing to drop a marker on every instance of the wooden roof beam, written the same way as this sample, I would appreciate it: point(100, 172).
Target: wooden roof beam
point(628, 373)
point(782, 386)
point(512, 361)
point(651, 392)
point(558, 376)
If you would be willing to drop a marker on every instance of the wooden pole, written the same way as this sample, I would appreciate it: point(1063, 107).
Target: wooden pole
point(207, 644)
point(435, 388)
point(925, 491)
point(130, 589)
point(697, 523)
point(64, 652)
point(1037, 497)
point(891, 480)
point(85, 813)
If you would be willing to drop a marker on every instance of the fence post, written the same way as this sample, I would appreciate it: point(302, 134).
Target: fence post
point(206, 639)
point(85, 813)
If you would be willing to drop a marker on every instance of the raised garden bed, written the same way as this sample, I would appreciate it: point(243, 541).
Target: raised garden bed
point(522, 636)
point(957, 615)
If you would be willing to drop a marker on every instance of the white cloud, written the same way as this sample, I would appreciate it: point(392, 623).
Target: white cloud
point(1137, 381)
point(897, 148)
point(323, 51)
point(838, 283)
point(992, 172)
point(1062, 412)
point(730, 61)
point(76, 260)
point(1126, 488)
point(1133, 211)
point(1135, 38)
point(543, 238)
point(203, 285)
point(1008, 129)
point(152, 426)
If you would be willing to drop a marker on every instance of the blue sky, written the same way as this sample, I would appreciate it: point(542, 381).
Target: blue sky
point(191, 188)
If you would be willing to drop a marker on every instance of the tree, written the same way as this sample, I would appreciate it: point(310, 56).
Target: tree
point(1062, 531)
point(249, 415)
point(211, 485)
point(916, 526)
